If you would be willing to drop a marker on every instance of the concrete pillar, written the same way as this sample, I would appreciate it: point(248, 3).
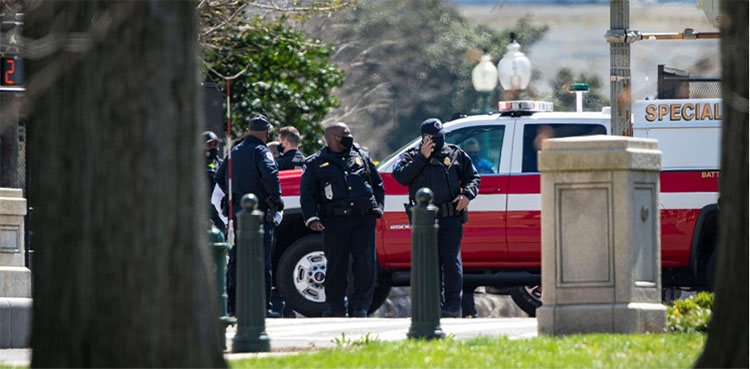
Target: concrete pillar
point(601, 259)
point(15, 278)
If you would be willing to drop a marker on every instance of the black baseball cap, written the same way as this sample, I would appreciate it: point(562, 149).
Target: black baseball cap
point(259, 122)
point(209, 136)
point(432, 126)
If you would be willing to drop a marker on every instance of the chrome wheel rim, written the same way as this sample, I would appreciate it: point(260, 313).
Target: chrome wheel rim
point(309, 276)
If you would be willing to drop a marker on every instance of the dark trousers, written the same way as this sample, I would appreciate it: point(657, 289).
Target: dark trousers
point(268, 241)
point(467, 302)
point(450, 232)
point(344, 236)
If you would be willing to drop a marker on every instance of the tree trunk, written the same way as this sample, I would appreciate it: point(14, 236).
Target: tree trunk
point(727, 343)
point(121, 274)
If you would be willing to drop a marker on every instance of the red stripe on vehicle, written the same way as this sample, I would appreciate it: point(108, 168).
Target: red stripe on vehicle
point(693, 181)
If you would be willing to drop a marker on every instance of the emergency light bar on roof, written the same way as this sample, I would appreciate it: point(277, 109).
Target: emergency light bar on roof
point(521, 107)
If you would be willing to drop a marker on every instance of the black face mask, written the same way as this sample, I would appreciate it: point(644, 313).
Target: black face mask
point(347, 142)
point(281, 148)
point(212, 154)
point(439, 143)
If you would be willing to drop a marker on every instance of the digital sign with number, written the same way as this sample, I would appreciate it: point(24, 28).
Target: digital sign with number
point(11, 71)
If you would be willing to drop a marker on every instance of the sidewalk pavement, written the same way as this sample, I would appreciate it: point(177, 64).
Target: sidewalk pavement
point(305, 334)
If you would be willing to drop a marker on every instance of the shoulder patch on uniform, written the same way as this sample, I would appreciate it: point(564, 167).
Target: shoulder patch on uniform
point(324, 165)
point(269, 156)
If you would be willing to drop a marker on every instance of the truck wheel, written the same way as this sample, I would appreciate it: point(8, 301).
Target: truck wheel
point(301, 273)
point(379, 297)
point(528, 298)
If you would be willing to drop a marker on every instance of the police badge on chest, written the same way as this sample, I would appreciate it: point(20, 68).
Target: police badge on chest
point(328, 191)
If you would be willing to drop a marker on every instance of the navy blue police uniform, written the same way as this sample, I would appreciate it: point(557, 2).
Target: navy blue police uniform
point(253, 171)
point(345, 193)
point(292, 159)
point(448, 172)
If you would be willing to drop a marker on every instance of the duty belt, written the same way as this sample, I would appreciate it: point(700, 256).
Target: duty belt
point(447, 209)
point(344, 211)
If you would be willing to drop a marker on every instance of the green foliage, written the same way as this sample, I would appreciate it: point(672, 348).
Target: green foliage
point(411, 60)
point(595, 100)
point(677, 350)
point(287, 77)
point(344, 342)
point(692, 314)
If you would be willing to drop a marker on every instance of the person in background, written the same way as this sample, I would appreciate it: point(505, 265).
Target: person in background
point(213, 162)
point(274, 147)
point(291, 157)
point(472, 148)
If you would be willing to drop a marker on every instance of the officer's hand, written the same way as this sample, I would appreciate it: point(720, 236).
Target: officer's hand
point(427, 147)
point(317, 226)
point(463, 202)
point(378, 212)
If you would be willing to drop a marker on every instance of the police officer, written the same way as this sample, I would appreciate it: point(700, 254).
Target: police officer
point(253, 171)
point(341, 194)
point(448, 172)
point(213, 162)
point(290, 157)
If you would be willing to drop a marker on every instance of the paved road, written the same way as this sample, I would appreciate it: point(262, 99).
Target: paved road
point(288, 334)
point(303, 334)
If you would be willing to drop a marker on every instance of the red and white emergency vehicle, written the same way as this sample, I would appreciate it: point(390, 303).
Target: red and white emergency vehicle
point(501, 245)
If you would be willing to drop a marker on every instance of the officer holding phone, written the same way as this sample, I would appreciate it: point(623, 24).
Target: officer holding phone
point(449, 173)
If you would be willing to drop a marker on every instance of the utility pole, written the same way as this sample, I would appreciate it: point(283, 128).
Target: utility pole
point(619, 37)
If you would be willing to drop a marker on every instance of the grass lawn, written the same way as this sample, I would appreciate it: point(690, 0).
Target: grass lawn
point(676, 350)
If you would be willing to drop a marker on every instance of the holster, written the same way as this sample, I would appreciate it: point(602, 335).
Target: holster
point(407, 208)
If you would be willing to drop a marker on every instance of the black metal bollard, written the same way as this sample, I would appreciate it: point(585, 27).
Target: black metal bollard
point(425, 277)
point(251, 296)
point(220, 250)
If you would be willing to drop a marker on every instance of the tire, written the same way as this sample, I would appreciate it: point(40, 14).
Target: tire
point(378, 299)
point(528, 298)
point(300, 275)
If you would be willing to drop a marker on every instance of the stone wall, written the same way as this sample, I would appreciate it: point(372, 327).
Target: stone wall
point(488, 305)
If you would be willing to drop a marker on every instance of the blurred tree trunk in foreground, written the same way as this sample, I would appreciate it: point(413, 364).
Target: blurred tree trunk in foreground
point(121, 274)
point(727, 343)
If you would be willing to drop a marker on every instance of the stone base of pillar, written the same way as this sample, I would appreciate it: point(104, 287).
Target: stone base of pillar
point(15, 281)
point(602, 318)
point(15, 322)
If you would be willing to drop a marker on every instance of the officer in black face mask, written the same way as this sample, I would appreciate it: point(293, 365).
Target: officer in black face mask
point(341, 194)
point(213, 162)
point(448, 172)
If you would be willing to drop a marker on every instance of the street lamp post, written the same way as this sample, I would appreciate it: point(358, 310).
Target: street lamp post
point(514, 69)
point(484, 78)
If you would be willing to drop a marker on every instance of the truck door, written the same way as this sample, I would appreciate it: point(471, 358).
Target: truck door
point(484, 234)
point(524, 197)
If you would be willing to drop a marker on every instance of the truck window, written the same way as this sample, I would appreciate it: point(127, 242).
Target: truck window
point(533, 134)
point(482, 144)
